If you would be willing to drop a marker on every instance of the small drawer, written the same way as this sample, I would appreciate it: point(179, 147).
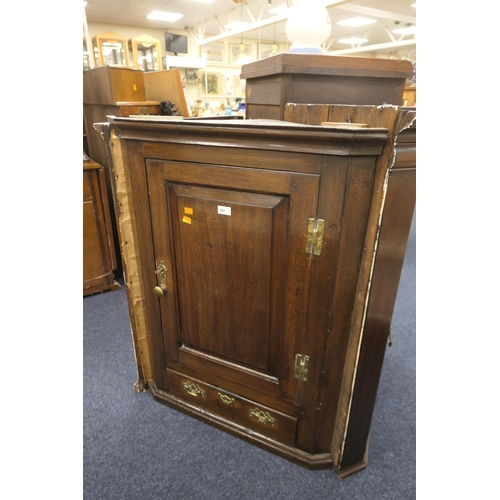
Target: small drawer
point(145, 109)
point(234, 408)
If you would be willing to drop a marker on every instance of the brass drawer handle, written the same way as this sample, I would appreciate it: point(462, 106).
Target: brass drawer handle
point(193, 389)
point(262, 417)
point(227, 400)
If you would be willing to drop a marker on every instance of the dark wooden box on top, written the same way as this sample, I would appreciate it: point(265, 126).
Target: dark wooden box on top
point(273, 82)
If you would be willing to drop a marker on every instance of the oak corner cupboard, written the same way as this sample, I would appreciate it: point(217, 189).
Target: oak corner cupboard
point(248, 248)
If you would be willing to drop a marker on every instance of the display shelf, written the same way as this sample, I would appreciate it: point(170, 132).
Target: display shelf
point(145, 52)
point(224, 66)
point(204, 81)
point(191, 79)
point(223, 96)
point(184, 62)
point(111, 49)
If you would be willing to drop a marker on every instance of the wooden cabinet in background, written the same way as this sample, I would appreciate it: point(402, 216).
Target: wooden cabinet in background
point(117, 91)
point(96, 113)
point(410, 96)
point(112, 84)
point(166, 85)
point(99, 257)
point(249, 258)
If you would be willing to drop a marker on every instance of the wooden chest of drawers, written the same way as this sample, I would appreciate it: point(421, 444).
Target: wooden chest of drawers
point(95, 113)
point(248, 250)
point(99, 257)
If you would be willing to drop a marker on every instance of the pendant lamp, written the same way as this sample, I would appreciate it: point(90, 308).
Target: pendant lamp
point(308, 26)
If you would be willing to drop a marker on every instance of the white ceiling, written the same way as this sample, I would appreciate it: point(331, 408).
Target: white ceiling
point(205, 21)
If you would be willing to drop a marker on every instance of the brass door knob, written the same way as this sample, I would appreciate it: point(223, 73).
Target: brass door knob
point(160, 290)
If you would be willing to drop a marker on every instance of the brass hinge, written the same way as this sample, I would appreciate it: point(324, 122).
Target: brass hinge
point(315, 230)
point(301, 367)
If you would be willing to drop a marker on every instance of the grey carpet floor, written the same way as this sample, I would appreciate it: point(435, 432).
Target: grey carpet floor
point(137, 449)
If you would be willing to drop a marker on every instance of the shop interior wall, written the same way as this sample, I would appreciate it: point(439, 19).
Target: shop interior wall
point(193, 48)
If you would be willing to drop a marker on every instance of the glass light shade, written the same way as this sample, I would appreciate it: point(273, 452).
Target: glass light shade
point(308, 26)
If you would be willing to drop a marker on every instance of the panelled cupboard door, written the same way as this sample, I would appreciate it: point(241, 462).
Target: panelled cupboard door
point(232, 241)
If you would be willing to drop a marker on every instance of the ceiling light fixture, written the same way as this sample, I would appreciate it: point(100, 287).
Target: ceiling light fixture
point(164, 16)
point(241, 56)
point(409, 30)
point(357, 21)
point(274, 50)
point(238, 25)
point(353, 40)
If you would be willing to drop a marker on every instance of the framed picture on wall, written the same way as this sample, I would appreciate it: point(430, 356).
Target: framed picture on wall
point(233, 85)
point(214, 84)
point(213, 52)
point(236, 54)
point(265, 49)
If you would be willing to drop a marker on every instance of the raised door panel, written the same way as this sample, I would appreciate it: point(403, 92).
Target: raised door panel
point(226, 248)
point(233, 241)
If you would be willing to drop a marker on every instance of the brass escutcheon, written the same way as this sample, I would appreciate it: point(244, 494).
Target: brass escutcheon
point(161, 289)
